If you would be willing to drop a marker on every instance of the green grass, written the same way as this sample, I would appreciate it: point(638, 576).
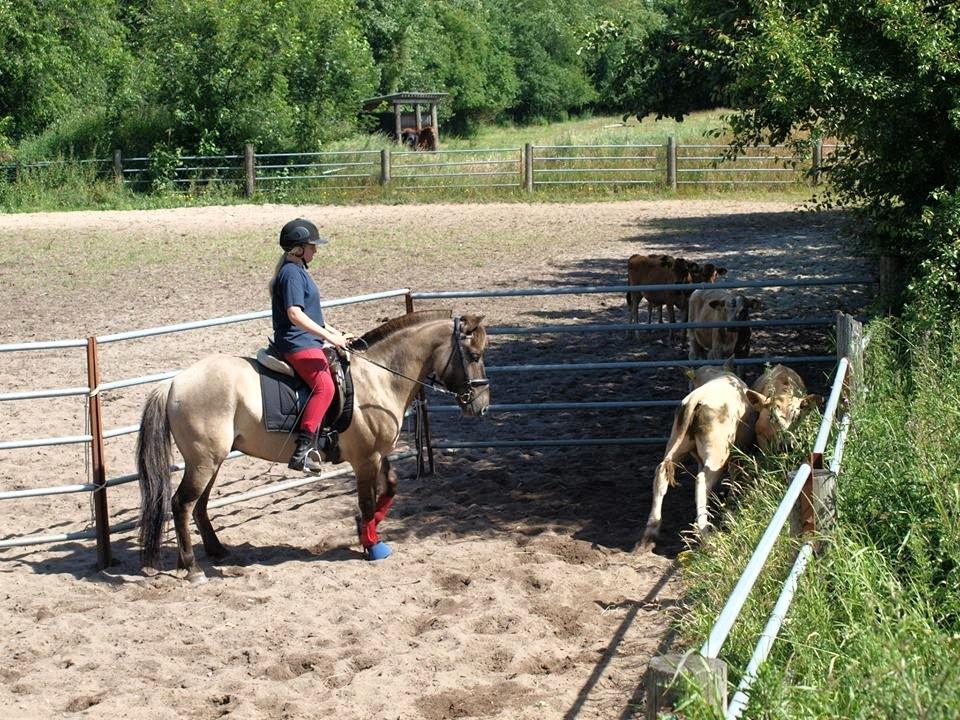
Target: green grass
point(874, 631)
point(68, 185)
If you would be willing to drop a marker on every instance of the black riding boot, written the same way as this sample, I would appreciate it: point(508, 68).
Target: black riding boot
point(305, 456)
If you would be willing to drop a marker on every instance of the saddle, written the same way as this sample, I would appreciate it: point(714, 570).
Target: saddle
point(284, 394)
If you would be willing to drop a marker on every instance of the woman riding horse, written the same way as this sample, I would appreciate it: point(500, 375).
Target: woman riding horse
point(300, 335)
point(215, 406)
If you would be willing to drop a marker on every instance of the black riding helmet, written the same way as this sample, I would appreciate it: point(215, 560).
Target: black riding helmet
point(300, 232)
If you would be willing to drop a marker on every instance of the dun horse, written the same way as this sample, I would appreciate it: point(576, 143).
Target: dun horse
point(215, 406)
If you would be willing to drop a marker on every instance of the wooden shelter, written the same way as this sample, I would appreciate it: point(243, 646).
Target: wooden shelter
point(411, 118)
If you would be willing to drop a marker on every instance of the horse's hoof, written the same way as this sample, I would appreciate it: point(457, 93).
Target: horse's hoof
point(380, 551)
point(197, 579)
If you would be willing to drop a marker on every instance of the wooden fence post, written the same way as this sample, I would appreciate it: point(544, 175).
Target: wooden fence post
point(98, 469)
point(249, 170)
point(817, 161)
point(850, 346)
point(672, 162)
point(665, 673)
point(384, 167)
point(816, 508)
point(892, 281)
point(118, 166)
point(528, 167)
point(434, 123)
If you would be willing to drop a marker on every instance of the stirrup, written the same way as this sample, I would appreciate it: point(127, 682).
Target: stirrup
point(311, 462)
point(328, 440)
point(305, 456)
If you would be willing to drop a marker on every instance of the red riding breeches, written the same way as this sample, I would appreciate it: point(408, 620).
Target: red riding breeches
point(312, 366)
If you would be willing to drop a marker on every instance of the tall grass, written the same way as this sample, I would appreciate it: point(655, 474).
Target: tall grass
point(874, 631)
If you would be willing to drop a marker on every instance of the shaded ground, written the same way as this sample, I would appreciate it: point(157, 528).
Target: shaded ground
point(513, 591)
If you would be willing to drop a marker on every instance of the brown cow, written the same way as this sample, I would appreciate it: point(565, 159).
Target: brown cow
point(718, 305)
point(658, 270)
point(711, 420)
point(427, 139)
point(781, 399)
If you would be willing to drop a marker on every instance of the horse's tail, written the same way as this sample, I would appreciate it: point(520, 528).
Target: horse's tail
point(153, 468)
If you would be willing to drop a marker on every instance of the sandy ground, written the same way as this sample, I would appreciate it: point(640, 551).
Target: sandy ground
point(513, 591)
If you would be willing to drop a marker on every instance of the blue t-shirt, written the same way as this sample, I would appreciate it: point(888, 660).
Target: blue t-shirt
point(293, 286)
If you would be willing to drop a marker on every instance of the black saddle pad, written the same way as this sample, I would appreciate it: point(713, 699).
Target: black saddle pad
point(284, 398)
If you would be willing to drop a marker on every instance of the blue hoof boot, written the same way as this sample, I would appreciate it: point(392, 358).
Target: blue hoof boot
point(380, 551)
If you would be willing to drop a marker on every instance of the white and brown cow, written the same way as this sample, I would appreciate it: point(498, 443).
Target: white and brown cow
point(718, 305)
point(781, 398)
point(711, 420)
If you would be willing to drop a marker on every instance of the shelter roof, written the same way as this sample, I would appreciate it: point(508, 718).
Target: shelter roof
point(404, 98)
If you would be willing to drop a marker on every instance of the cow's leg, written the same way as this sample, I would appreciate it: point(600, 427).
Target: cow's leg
point(673, 318)
point(663, 478)
point(707, 477)
point(697, 351)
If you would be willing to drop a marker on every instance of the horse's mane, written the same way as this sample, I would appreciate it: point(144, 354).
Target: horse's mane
point(398, 323)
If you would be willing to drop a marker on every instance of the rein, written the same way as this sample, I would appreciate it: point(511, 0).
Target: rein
point(465, 397)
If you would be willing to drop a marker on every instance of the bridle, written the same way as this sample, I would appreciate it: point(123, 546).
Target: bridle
point(469, 391)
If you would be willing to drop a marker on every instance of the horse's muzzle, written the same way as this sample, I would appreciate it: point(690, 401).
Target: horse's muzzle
point(475, 401)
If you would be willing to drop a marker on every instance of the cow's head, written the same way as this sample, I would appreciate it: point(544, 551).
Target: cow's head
point(709, 273)
point(704, 374)
point(776, 415)
point(736, 306)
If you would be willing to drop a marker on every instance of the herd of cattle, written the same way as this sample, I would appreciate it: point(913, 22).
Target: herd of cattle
point(720, 412)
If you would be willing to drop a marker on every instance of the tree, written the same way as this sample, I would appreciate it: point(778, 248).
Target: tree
point(280, 74)
point(626, 52)
point(879, 77)
point(56, 59)
point(544, 40)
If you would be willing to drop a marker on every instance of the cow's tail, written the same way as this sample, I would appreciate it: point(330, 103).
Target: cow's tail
point(153, 468)
point(681, 427)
